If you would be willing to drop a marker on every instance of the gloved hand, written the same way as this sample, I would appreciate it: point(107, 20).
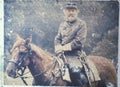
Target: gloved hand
point(60, 48)
point(67, 47)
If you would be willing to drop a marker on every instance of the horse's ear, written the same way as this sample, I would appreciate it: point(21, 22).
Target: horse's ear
point(17, 36)
point(29, 39)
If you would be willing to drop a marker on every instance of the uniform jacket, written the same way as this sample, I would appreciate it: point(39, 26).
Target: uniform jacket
point(72, 32)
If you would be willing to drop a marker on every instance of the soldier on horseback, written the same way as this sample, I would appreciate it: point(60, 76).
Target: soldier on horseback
point(70, 40)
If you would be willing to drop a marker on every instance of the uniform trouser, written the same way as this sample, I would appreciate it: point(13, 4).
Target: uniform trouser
point(76, 70)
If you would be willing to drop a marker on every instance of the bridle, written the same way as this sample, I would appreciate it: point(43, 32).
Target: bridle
point(21, 61)
point(20, 64)
point(22, 56)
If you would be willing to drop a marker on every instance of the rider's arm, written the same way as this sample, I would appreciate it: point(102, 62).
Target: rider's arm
point(79, 40)
point(80, 37)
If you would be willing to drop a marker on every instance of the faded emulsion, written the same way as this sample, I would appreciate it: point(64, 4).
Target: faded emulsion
point(41, 19)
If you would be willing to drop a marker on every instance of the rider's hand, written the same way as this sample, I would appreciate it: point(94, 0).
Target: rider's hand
point(67, 47)
point(58, 49)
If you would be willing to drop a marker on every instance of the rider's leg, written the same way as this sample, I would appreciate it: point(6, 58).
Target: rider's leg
point(77, 76)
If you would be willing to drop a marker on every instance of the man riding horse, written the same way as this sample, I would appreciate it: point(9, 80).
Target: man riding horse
point(70, 39)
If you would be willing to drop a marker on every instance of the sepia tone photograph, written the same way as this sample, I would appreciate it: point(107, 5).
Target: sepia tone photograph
point(61, 43)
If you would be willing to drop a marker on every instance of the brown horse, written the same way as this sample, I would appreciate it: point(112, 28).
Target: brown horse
point(42, 65)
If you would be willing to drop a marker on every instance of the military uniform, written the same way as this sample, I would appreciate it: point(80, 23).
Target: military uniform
point(69, 42)
point(73, 33)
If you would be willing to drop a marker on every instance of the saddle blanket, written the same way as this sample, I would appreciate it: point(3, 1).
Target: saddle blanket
point(93, 71)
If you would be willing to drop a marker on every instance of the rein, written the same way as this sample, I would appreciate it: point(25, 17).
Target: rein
point(21, 75)
point(25, 77)
point(21, 69)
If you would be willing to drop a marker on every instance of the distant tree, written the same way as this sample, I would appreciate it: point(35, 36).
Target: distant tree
point(108, 47)
point(112, 35)
point(41, 18)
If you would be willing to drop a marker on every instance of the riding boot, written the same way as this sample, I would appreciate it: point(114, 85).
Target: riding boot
point(77, 76)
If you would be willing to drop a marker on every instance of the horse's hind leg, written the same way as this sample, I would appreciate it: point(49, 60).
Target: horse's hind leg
point(109, 84)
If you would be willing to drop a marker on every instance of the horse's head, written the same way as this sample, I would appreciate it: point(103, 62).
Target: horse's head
point(20, 53)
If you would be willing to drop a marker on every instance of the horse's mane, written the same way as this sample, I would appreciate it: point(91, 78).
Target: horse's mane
point(41, 53)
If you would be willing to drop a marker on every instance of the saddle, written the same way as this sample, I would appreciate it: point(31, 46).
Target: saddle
point(64, 71)
point(90, 69)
